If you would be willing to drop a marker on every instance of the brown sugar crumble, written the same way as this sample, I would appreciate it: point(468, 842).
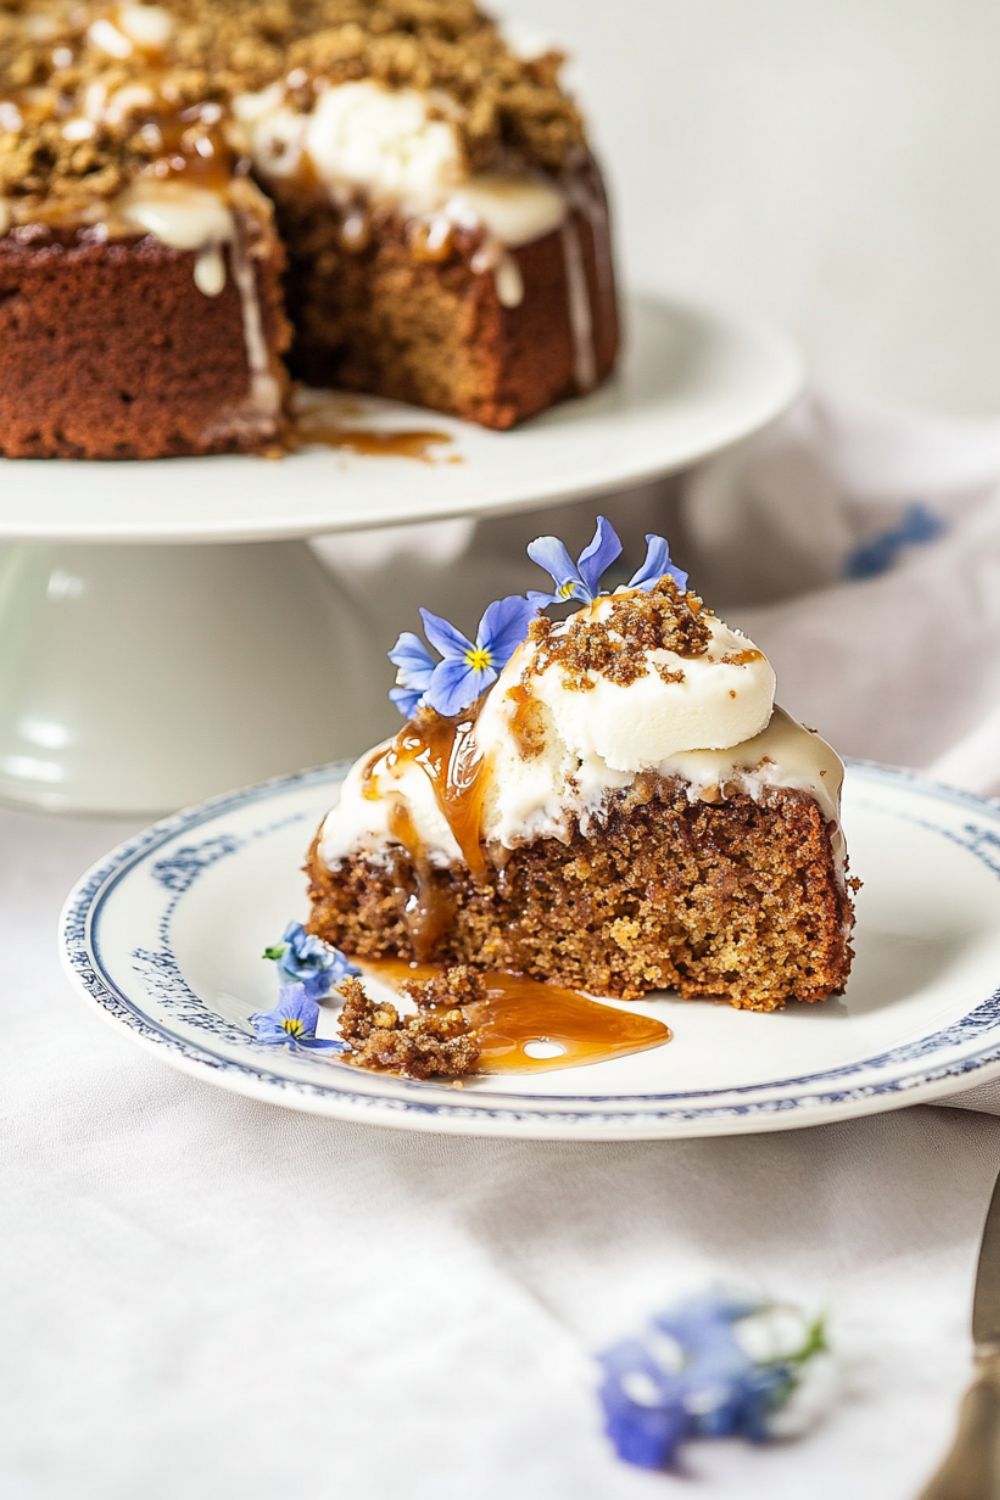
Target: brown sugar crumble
point(52, 72)
point(616, 646)
point(440, 1041)
point(457, 985)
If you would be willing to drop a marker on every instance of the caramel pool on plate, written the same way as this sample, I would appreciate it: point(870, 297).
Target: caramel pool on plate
point(520, 1014)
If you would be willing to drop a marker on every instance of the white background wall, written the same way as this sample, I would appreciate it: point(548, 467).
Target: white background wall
point(835, 165)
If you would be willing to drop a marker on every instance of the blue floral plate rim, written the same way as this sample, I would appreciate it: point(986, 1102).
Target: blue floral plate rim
point(591, 1116)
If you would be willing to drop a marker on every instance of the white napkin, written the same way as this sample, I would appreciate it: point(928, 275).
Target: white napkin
point(862, 551)
point(209, 1296)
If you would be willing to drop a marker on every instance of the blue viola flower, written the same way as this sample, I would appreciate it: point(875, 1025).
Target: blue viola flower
point(657, 565)
point(467, 667)
point(305, 959)
point(575, 580)
point(711, 1366)
point(414, 668)
point(292, 1022)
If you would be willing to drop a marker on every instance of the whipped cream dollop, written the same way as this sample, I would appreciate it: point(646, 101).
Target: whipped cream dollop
point(704, 702)
point(553, 752)
point(399, 150)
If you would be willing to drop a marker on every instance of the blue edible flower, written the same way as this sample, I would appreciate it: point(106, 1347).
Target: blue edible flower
point(657, 565)
point(292, 1022)
point(582, 579)
point(711, 1366)
point(468, 668)
point(575, 580)
point(414, 668)
point(305, 959)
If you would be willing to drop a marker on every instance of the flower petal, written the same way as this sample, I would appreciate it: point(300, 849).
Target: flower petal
point(595, 559)
point(407, 700)
point(444, 637)
point(503, 627)
point(657, 565)
point(644, 1413)
point(540, 601)
point(296, 1004)
point(413, 661)
point(318, 984)
point(551, 554)
point(455, 686)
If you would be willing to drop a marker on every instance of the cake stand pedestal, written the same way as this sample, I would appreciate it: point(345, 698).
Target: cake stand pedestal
point(139, 679)
point(142, 668)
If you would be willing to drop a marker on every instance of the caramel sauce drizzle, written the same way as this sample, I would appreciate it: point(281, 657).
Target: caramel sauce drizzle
point(372, 442)
point(192, 152)
point(519, 1013)
point(744, 658)
point(320, 419)
point(525, 724)
point(428, 909)
point(447, 753)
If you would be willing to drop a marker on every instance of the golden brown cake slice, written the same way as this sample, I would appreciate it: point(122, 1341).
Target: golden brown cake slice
point(622, 809)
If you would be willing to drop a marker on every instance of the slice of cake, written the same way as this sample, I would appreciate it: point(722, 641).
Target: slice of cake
point(430, 192)
point(611, 802)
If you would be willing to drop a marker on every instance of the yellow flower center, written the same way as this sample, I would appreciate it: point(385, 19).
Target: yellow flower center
point(479, 658)
point(566, 590)
point(292, 1025)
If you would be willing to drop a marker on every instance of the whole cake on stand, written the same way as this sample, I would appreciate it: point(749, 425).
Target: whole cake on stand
point(198, 200)
point(204, 202)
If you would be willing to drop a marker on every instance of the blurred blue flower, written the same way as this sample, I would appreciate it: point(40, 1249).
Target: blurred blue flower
point(575, 580)
point(657, 565)
point(414, 668)
point(292, 1022)
point(307, 960)
point(710, 1366)
point(644, 1413)
point(917, 526)
point(468, 668)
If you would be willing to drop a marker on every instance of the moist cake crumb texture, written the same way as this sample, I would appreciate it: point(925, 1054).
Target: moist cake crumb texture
point(737, 899)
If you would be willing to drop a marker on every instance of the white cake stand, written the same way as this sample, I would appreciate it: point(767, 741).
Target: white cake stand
point(141, 668)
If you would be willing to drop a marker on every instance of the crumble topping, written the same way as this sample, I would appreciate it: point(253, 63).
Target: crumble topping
point(616, 646)
point(78, 123)
point(457, 985)
point(440, 1041)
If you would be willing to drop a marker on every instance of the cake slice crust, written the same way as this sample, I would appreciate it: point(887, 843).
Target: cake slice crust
point(108, 349)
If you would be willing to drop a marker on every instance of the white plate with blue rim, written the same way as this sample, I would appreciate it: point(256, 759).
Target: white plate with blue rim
point(164, 938)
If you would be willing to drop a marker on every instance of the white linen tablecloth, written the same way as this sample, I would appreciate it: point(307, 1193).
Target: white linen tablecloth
point(201, 1296)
